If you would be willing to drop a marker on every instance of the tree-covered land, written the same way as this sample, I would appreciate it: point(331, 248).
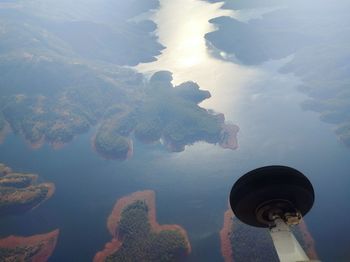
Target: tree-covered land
point(33, 248)
point(141, 243)
point(315, 33)
point(23, 253)
point(255, 244)
point(251, 244)
point(162, 112)
point(62, 72)
point(19, 192)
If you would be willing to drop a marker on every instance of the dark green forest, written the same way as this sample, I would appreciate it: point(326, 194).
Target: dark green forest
point(140, 243)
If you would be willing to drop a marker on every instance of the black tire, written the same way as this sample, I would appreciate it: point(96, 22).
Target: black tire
point(266, 184)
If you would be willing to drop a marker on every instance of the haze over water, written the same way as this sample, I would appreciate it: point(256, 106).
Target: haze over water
point(192, 186)
point(266, 106)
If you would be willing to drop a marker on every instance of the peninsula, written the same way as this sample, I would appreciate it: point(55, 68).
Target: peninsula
point(137, 234)
point(37, 248)
point(72, 77)
point(295, 31)
point(167, 113)
point(19, 192)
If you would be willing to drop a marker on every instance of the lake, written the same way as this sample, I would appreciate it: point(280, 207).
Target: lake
point(192, 186)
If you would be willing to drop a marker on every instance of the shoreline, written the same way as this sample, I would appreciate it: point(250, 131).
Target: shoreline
point(31, 185)
point(128, 155)
point(49, 239)
point(112, 222)
point(309, 241)
point(226, 231)
point(51, 190)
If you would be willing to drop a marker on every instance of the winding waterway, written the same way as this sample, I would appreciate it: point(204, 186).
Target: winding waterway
point(192, 186)
point(266, 106)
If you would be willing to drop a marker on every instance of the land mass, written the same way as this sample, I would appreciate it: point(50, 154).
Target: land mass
point(36, 248)
point(240, 242)
point(64, 72)
point(313, 34)
point(138, 237)
point(168, 113)
point(19, 192)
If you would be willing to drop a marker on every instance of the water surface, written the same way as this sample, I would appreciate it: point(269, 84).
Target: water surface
point(192, 186)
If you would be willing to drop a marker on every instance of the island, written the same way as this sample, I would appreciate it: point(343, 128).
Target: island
point(167, 113)
point(240, 242)
point(19, 192)
point(37, 248)
point(137, 236)
point(311, 38)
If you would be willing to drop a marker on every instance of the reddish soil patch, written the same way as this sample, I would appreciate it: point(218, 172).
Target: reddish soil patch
point(310, 242)
point(112, 222)
point(51, 191)
point(109, 249)
point(225, 232)
point(229, 136)
point(48, 240)
point(36, 145)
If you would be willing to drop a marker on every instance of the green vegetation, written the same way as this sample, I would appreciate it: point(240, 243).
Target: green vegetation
point(58, 120)
point(20, 253)
point(251, 244)
point(111, 144)
point(15, 200)
point(32, 248)
point(164, 111)
point(255, 244)
point(61, 74)
point(173, 114)
point(17, 180)
point(19, 193)
point(140, 243)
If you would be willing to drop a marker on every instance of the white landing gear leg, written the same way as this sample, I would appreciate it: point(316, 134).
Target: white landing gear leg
point(287, 247)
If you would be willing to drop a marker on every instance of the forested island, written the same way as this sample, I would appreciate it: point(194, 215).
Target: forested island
point(138, 237)
point(315, 35)
point(63, 72)
point(168, 113)
point(19, 192)
point(37, 248)
point(240, 242)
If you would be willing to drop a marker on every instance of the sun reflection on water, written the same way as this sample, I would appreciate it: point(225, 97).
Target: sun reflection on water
point(182, 25)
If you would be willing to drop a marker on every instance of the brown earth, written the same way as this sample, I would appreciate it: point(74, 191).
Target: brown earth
point(48, 240)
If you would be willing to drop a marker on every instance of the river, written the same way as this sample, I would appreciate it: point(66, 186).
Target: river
point(192, 186)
